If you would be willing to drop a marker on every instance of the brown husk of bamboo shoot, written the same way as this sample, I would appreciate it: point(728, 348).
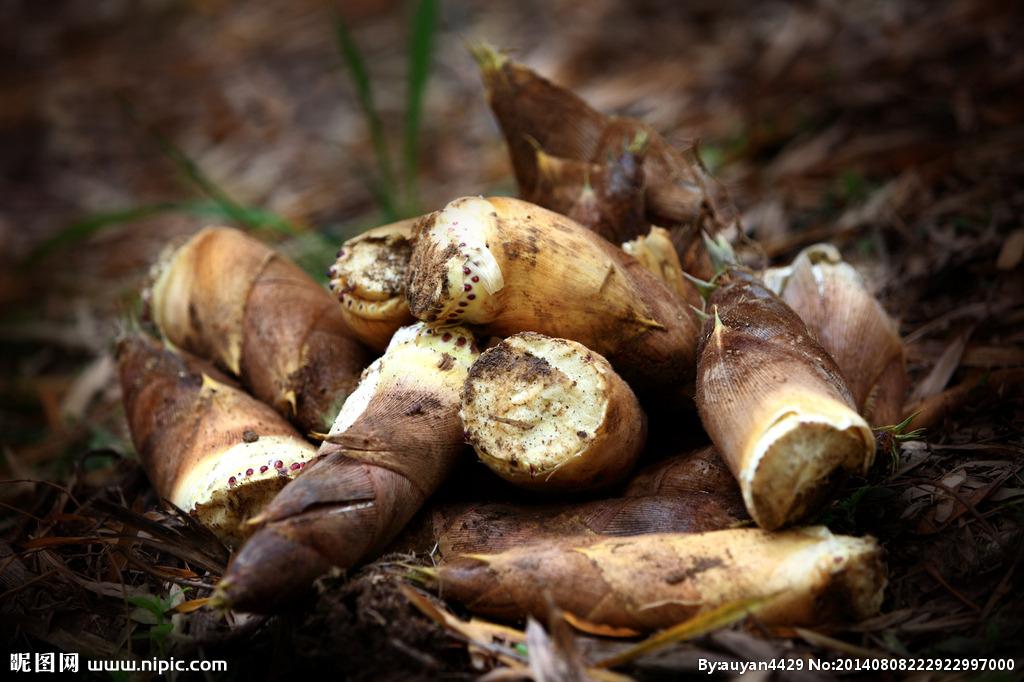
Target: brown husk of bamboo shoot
point(393, 443)
point(487, 528)
point(775, 404)
point(533, 112)
point(550, 275)
point(232, 300)
point(696, 471)
point(560, 182)
point(831, 298)
point(695, 486)
point(368, 279)
point(607, 198)
point(649, 582)
point(205, 445)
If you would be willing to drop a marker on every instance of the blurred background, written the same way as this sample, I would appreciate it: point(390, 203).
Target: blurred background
point(893, 128)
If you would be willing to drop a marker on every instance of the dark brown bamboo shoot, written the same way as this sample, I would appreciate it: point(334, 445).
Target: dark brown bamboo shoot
point(392, 444)
point(205, 445)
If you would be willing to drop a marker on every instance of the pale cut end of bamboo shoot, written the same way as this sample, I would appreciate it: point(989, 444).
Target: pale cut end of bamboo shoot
point(833, 300)
point(804, 577)
point(206, 446)
point(417, 353)
point(657, 254)
point(790, 467)
point(550, 414)
point(368, 278)
point(776, 406)
point(227, 488)
point(453, 275)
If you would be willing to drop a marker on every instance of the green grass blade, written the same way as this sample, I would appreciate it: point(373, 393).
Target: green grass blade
point(191, 170)
point(424, 28)
point(80, 230)
point(252, 217)
point(384, 191)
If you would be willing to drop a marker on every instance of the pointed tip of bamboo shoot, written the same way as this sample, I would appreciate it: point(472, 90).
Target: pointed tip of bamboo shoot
point(638, 145)
point(487, 57)
point(719, 327)
point(219, 600)
point(272, 570)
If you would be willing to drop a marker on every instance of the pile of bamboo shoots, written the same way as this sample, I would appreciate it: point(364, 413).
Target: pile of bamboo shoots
point(566, 338)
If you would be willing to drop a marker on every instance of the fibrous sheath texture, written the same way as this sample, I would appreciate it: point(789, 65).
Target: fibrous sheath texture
point(649, 582)
point(207, 446)
point(776, 405)
point(231, 299)
point(392, 444)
